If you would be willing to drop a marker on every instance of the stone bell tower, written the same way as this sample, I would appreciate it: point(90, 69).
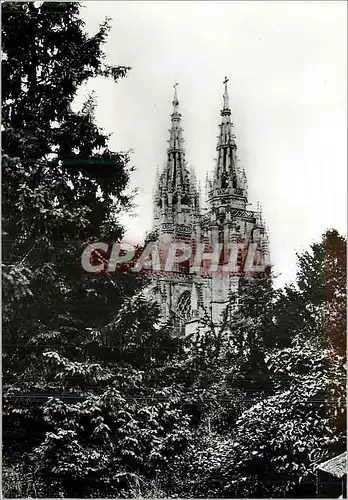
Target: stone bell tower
point(175, 216)
point(228, 220)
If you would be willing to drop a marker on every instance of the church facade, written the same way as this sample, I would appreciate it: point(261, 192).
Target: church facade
point(189, 293)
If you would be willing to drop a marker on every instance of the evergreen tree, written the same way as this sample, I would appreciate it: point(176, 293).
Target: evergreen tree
point(276, 443)
point(76, 345)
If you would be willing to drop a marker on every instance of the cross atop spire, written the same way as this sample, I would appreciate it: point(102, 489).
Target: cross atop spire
point(175, 100)
point(226, 104)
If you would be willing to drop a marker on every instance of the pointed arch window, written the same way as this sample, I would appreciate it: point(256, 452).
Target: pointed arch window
point(183, 307)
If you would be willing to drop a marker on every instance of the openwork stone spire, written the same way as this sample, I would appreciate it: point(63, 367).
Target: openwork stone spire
point(228, 179)
point(176, 197)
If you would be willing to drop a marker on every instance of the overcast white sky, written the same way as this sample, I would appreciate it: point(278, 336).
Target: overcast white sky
point(287, 66)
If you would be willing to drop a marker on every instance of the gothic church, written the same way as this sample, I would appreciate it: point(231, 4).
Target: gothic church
point(188, 295)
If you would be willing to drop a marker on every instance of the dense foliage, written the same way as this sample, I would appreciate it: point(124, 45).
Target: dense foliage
point(100, 399)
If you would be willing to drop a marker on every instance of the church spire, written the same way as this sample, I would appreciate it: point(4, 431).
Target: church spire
point(176, 192)
point(227, 176)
